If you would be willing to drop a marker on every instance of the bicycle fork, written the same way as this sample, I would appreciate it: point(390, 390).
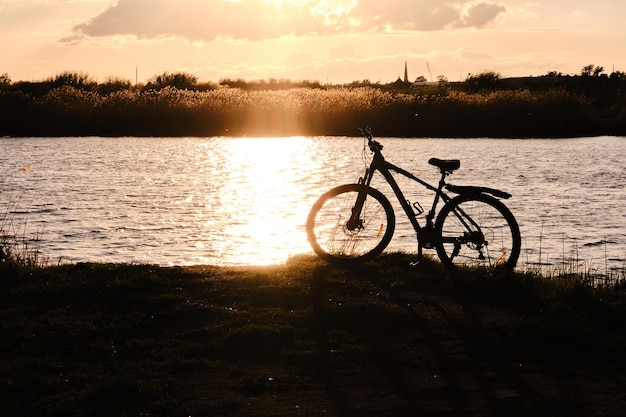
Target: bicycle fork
point(356, 222)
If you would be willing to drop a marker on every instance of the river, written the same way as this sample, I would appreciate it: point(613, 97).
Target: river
point(244, 201)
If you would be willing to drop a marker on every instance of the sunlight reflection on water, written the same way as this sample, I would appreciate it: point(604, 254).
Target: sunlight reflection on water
point(258, 208)
point(244, 201)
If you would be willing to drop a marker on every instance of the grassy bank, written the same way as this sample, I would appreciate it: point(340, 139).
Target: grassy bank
point(306, 339)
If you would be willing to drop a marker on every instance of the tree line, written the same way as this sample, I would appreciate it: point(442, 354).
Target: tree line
point(178, 104)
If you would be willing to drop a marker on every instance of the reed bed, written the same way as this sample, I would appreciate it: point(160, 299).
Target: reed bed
point(446, 110)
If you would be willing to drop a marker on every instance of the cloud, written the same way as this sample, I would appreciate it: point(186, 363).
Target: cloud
point(427, 15)
point(201, 20)
point(481, 14)
point(198, 20)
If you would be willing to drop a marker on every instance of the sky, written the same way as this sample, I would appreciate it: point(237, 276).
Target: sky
point(330, 41)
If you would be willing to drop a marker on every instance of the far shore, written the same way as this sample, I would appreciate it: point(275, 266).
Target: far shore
point(484, 105)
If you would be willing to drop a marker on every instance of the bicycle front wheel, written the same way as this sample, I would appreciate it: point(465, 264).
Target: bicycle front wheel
point(477, 231)
point(335, 239)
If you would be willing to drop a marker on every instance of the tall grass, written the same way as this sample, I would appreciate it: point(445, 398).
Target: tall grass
point(569, 266)
point(16, 248)
point(440, 111)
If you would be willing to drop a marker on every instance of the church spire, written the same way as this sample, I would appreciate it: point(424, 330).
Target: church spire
point(406, 73)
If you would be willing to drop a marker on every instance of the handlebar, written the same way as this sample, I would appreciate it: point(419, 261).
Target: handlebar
point(373, 145)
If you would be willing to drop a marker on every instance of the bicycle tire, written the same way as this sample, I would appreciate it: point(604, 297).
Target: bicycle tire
point(495, 243)
point(329, 235)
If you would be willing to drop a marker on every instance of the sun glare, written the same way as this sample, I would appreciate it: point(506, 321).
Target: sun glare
point(260, 194)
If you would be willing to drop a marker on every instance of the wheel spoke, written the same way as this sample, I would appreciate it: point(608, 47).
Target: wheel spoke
point(337, 235)
point(477, 231)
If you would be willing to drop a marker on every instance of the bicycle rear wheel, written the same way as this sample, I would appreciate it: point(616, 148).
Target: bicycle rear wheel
point(335, 240)
point(477, 230)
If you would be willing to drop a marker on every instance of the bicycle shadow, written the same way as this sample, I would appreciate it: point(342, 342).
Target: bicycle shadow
point(426, 347)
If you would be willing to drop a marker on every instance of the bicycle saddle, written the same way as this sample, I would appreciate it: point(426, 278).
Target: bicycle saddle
point(445, 165)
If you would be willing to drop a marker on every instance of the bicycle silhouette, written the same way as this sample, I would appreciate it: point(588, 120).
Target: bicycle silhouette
point(353, 223)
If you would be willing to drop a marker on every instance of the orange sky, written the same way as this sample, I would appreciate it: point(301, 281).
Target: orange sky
point(334, 41)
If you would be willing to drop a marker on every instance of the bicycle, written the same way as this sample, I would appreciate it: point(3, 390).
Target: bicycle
point(354, 223)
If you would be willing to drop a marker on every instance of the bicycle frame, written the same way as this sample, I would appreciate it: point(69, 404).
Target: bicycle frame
point(386, 168)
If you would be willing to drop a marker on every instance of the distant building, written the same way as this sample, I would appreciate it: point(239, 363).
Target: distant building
point(403, 83)
point(399, 82)
point(406, 73)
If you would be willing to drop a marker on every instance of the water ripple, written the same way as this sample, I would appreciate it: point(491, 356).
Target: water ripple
point(179, 201)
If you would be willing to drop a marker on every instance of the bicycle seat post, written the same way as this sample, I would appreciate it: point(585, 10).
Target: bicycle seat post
point(442, 181)
point(431, 214)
